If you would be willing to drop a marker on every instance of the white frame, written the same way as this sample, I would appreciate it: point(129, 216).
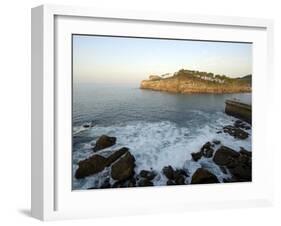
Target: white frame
point(43, 104)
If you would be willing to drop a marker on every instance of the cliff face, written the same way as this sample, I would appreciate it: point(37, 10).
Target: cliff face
point(192, 83)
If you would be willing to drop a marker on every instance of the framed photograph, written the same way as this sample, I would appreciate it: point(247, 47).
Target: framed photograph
point(137, 112)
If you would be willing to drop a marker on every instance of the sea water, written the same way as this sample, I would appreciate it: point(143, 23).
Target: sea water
point(159, 128)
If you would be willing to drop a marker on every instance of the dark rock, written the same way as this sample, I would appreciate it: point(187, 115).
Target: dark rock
point(175, 177)
point(123, 168)
point(180, 172)
point(196, 155)
point(92, 165)
point(207, 150)
point(168, 171)
point(171, 182)
point(180, 180)
point(179, 176)
point(242, 172)
point(236, 132)
point(116, 155)
point(208, 153)
point(104, 142)
point(97, 163)
point(218, 132)
point(150, 175)
point(242, 125)
point(239, 164)
point(131, 182)
point(203, 176)
point(216, 142)
point(119, 184)
point(224, 155)
point(244, 159)
point(145, 183)
point(243, 151)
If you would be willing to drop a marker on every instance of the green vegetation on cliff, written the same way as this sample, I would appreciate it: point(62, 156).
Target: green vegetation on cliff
point(189, 81)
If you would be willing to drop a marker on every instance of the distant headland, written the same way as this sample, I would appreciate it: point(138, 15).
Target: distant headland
point(189, 81)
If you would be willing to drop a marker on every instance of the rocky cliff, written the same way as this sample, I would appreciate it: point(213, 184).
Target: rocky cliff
point(186, 81)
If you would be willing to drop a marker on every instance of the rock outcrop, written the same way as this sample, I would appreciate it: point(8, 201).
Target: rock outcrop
point(186, 81)
point(175, 177)
point(236, 132)
point(123, 169)
point(239, 164)
point(203, 176)
point(92, 165)
point(104, 142)
point(97, 163)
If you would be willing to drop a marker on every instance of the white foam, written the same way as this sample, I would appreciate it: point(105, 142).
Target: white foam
point(158, 144)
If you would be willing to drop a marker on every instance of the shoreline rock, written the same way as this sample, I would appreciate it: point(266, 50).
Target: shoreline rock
point(187, 81)
point(104, 142)
point(123, 168)
point(239, 164)
point(97, 163)
point(175, 177)
point(203, 176)
point(121, 163)
point(235, 132)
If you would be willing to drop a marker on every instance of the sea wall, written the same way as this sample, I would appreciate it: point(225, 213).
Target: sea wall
point(239, 110)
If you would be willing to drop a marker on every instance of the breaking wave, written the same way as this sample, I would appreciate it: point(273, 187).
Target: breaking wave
point(157, 144)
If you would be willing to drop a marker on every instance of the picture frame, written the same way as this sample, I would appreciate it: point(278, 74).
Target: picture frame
point(51, 194)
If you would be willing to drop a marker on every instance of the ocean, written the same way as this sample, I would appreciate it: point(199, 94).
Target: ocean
point(159, 128)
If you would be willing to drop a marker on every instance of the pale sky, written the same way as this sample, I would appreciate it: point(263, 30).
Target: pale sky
point(119, 59)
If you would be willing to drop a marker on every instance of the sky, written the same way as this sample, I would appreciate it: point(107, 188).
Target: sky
point(126, 60)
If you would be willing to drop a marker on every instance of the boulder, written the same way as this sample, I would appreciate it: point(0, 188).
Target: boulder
point(145, 183)
point(116, 155)
point(242, 172)
point(170, 182)
point(168, 171)
point(242, 125)
point(203, 176)
point(207, 150)
point(92, 165)
point(123, 168)
point(180, 180)
point(239, 164)
point(149, 175)
point(180, 172)
point(179, 176)
point(216, 142)
point(243, 151)
point(97, 163)
point(175, 177)
point(235, 132)
point(224, 155)
point(104, 142)
point(131, 182)
point(196, 155)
